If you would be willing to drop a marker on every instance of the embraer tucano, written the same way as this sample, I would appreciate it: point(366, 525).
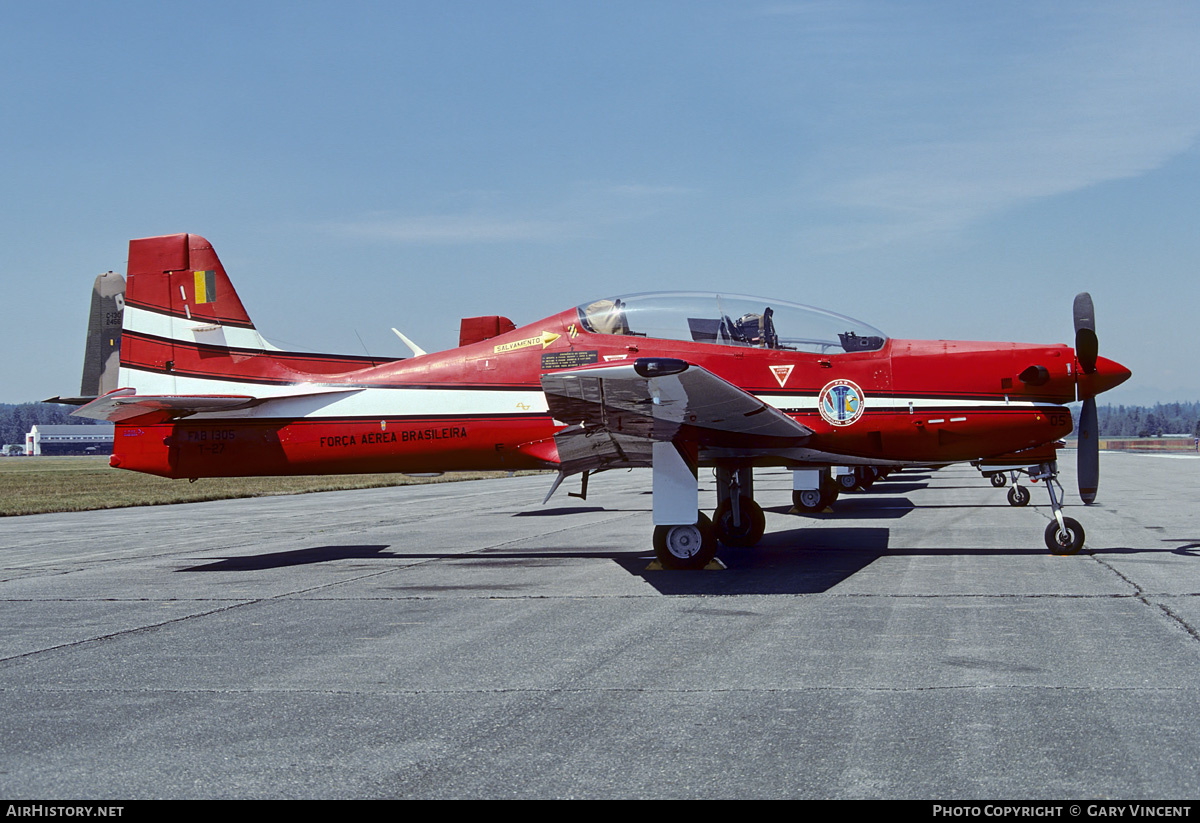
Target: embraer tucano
point(671, 382)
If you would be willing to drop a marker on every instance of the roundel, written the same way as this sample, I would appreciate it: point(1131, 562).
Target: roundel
point(841, 402)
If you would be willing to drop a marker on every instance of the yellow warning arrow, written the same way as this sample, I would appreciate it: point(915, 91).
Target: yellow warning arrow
point(545, 339)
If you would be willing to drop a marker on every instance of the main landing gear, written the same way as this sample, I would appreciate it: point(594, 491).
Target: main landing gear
point(738, 520)
point(857, 478)
point(684, 537)
point(687, 546)
point(814, 490)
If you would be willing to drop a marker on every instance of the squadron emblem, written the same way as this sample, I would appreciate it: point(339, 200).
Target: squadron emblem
point(841, 402)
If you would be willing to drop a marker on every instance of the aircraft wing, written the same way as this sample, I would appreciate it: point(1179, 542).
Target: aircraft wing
point(125, 404)
point(615, 413)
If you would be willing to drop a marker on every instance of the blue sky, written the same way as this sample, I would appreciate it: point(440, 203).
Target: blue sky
point(938, 169)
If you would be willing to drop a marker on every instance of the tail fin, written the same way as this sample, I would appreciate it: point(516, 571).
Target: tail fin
point(102, 349)
point(101, 356)
point(185, 330)
point(179, 275)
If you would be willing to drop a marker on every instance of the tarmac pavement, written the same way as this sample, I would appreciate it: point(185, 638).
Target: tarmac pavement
point(462, 640)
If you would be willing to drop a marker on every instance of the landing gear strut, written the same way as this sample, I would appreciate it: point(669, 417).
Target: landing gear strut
point(1064, 535)
point(738, 520)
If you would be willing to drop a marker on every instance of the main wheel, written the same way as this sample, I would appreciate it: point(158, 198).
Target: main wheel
point(815, 500)
point(748, 532)
point(1018, 496)
point(809, 500)
point(998, 480)
point(1064, 542)
point(847, 482)
point(686, 547)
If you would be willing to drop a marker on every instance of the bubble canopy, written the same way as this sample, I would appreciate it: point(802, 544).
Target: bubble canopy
point(730, 320)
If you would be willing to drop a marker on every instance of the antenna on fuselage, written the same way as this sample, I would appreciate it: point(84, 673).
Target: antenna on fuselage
point(416, 350)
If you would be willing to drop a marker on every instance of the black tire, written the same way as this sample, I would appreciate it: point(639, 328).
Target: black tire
point(1018, 496)
point(686, 547)
point(998, 480)
point(847, 482)
point(753, 524)
point(1068, 542)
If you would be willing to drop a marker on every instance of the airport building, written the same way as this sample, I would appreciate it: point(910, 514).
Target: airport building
point(59, 440)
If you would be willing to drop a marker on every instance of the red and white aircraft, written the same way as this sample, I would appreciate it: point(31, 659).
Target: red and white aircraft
point(667, 381)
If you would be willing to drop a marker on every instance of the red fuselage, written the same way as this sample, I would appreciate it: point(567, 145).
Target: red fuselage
point(479, 407)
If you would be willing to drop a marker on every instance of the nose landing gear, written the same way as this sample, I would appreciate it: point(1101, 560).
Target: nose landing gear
point(1064, 535)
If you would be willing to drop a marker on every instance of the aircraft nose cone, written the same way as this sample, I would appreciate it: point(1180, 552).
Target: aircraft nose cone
point(1108, 374)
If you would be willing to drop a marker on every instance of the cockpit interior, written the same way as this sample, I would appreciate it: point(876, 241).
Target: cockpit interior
point(729, 320)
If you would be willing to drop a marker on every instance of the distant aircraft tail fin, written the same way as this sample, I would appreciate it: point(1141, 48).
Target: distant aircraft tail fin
point(102, 354)
point(102, 349)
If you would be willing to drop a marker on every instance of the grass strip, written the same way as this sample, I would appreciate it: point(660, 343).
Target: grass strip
point(39, 485)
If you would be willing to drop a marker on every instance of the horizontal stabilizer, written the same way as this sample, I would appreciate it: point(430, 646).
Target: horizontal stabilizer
point(125, 404)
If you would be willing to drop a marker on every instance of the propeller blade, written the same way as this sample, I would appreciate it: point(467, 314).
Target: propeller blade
point(1087, 347)
point(1089, 452)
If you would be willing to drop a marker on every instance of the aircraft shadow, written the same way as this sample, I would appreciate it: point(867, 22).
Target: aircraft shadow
point(887, 489)
point(283, 560)
point(1190, 548)
point(796, 561)
point(888, 508)
point(560, 511)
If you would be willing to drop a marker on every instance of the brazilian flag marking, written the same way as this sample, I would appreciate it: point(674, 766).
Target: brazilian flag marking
point(206, 286)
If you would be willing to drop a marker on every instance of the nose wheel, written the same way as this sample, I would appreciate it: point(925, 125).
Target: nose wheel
point(1064, 535)
point(1066, 538)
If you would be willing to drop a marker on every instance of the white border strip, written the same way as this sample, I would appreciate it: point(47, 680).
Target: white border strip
point(193, 331)
point(353, 402)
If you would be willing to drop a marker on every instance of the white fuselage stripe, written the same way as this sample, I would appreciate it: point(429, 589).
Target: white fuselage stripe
point(787, 403)
point(398, 401)
point(202, 332)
